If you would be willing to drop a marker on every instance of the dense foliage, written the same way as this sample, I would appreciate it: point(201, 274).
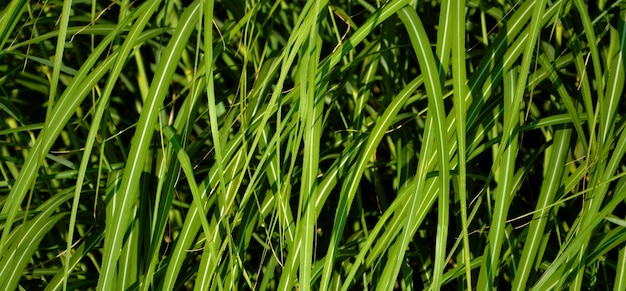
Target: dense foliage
point(225, 145)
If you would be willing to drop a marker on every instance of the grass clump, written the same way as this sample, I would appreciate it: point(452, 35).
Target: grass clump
point(312, 145)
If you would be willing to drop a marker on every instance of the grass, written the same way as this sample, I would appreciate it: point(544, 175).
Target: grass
point(325, 145)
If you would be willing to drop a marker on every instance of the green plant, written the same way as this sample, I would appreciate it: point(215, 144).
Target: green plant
point(312, 145)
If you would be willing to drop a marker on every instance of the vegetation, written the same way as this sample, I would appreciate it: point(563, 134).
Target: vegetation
point(283, 145)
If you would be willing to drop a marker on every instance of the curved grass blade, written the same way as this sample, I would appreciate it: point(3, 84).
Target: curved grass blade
point(25, 239)
point(549, 188)
point(117, 228)
point(144, 14)
point(81, 84)
point(9, 18)
point(488, 271)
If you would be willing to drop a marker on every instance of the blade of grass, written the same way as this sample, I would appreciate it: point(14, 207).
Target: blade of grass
point(589, 30)
point(620, 278)
point(192, 224)
point(144, 13)
point(488, 271)
point(116, 228)
point(556, 272)
point(549, 188)
point(606, 108)
point(502, 197)
point(445, 36)
point(71, 98)
point(185, 163)
point(25, 240)
point(311, 107)
point(425, 57)
point(9, 18)
point(166, 187)
point(459, 75)
point(209, 256)
point(58, 55)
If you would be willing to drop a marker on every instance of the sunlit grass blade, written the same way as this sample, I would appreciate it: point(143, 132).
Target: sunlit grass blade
point(503, 194)
point(428, 66)
point(554, 173)
point(459, 76)
point(311, 107)
point(198, 200)
point(620, 279)
point(65, 107)
point(502, 199)
point(9, 19)
point(58, 55)
point(116, 228)
point(25, 240)
point(559, 268)
point(602, 172)
point(192, 224)
point(144, 15)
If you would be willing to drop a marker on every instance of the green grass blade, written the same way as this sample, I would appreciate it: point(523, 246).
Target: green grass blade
point(9, 19)
point(69, 100)
point(116, 229)
point(56, 69)
point(620, 279)
point(602, 171)
point(25, 240)
point(503, 196)
point(145, 12)
point(427, 62)
point(488, 270)
point(459, 76)
point(185, 163)
point(549, 188)
point(311, 107)
point(192, 224)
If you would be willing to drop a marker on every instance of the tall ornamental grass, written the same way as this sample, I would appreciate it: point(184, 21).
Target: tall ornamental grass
point(312, 145)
